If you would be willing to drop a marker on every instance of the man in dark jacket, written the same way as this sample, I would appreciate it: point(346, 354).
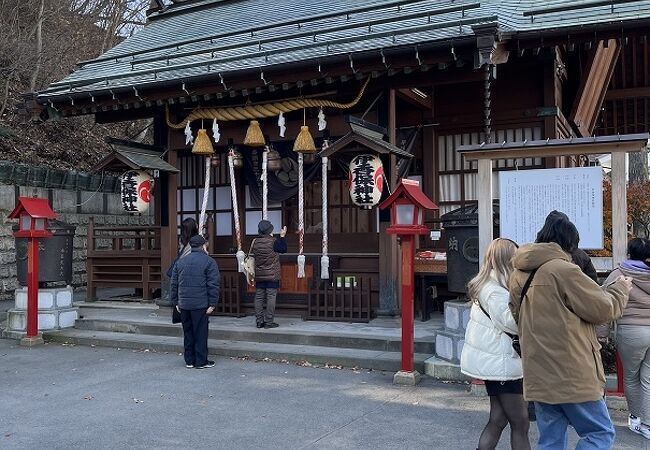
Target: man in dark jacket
point(266, 250)
point(195, 293)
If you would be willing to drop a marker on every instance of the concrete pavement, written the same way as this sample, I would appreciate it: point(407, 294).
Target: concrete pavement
point(66, 397)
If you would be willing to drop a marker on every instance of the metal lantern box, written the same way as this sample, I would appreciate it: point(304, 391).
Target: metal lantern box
point(33, 215)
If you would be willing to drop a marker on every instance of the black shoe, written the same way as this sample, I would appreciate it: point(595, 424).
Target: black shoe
point(206, 365)
point(260, 324)
point(271, 325)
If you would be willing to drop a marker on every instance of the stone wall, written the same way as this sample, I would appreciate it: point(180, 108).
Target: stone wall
point(73, 207)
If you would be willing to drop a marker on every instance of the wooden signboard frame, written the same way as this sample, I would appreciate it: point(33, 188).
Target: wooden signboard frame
point(617, 146)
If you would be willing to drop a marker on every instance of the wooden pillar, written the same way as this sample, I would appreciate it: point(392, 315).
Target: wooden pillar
point(619, 208)
point(169, 232)
point(389, 296)
point(160, 139)
point(485, 212)
point(393, 257)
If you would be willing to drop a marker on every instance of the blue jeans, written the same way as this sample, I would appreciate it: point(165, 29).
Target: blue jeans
point(590, 420)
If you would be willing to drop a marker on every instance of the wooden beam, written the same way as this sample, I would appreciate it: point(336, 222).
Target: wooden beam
point(415, 99)
point(593, 87)
point(563, 150)
point(485, 212)
point(619, 209)
point(633, 93)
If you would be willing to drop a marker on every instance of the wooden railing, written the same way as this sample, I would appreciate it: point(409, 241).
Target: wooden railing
point(347, 297)
point(231, 291)
point(123, 257)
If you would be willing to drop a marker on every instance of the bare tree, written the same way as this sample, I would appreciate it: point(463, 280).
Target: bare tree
point(39, 46)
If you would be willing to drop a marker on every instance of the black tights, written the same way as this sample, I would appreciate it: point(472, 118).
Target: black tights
point(504, 409)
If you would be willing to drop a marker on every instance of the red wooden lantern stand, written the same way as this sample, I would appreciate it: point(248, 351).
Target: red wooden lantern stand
point(407, 204)
point(33, 214)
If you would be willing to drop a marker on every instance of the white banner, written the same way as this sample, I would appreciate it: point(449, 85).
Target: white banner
point(528, 196)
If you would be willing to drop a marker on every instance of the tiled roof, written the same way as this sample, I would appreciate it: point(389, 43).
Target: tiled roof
point(209, 37)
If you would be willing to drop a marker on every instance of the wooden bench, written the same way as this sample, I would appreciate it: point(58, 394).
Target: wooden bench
point(123, 257)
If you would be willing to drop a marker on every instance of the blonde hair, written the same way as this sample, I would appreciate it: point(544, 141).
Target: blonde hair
point(498, 258)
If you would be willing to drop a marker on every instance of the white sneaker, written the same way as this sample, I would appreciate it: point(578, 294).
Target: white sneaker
point(645, 431)
point(634, 424)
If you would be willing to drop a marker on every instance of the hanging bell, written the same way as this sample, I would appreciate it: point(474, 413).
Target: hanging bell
point(273, 161)
point(202, 145)
point(237, 159)
point(304, 142)
point(254, 136)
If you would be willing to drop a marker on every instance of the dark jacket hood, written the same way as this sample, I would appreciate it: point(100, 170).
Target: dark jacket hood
point(530, 257)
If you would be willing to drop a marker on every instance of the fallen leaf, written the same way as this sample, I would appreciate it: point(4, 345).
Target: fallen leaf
point(88, 397)
point(138, 401)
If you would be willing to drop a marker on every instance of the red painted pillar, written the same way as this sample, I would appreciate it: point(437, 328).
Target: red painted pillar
point(408, 280)
point(620, 383)
point(32, 288)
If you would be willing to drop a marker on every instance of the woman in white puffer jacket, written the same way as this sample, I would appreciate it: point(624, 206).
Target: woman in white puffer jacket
point(488, 353)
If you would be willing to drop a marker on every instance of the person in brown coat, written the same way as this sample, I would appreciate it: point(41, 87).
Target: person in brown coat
point(563, 371)
point(266, 249)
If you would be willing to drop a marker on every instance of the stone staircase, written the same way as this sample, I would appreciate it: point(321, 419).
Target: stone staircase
point(318, 343)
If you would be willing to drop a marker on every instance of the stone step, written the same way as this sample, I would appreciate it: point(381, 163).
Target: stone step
point(444, 370)
point(334, 339)
point(318, 355)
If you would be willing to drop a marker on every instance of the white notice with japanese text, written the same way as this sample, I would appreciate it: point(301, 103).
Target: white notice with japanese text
point(527, 196)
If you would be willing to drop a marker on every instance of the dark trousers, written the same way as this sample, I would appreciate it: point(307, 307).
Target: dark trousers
point(265, 297)
point(195, 334)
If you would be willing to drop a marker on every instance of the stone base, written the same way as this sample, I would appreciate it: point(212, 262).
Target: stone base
point(47, 319)
point(449, 345)
point(407, 378)
point(16, 335)
point(616, 402)
point(52, 298)
point(444, 370)
point(457, 316)
point(55, 311)
point(32, 341)
point(478, 389)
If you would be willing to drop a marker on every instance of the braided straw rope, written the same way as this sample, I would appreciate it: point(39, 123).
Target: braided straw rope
point(261, 111)
point(206, 195)
point(301, 216)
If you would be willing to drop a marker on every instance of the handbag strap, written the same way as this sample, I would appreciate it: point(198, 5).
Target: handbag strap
point(251, 249)
point(524, 290)
point(510, 335)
